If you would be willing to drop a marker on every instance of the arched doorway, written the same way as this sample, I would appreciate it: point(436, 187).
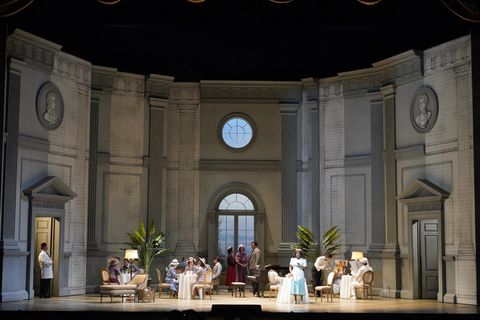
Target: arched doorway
point(236, 215)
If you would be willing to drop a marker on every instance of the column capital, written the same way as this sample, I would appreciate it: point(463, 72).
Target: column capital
point(389, 91)
point(157, 103)
point(187, 108)
point(288, 108)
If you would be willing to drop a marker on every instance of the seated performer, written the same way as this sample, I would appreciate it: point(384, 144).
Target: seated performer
point(217, 269)
point(358, 276)
point(172, 276)
point(191, 265)
point(200, 271)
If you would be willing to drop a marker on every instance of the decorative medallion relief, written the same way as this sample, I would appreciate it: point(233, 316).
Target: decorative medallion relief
point(50, 106)
point(424, 110)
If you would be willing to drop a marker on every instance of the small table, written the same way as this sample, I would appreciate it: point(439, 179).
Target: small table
point(240, 286)
point(185, 285)
point(346, 287)
point(284, 295)
point(146, 294)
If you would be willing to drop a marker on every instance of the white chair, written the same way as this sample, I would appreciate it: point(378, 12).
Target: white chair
point(273, 281)
point(207, 283)
point(328, 288)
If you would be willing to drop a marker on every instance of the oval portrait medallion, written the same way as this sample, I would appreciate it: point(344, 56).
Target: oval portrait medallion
point(424, 110)
point(50, 106)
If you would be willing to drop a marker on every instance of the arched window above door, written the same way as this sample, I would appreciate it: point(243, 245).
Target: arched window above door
point(236, 202)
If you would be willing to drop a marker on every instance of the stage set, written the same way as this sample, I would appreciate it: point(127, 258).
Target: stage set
point(224, 306)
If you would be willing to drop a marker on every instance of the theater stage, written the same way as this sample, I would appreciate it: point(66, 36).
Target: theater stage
point(223, 306)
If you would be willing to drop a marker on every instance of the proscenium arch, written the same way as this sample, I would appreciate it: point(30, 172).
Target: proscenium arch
point(214, 212)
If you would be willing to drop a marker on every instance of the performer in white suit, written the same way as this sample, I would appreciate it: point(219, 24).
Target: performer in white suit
point(46, 264)
point(358, 276)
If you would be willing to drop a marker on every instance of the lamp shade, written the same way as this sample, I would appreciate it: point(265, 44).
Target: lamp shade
point(357, 255)
point(131, 254)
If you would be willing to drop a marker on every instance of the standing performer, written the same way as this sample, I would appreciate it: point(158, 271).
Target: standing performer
point(46, 264)
point(296, 267)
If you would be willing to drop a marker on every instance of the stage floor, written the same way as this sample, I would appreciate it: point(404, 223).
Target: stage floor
point(227, 307)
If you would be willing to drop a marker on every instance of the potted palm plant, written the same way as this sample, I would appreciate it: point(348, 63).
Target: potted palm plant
point(148, 244)
point(331, 242)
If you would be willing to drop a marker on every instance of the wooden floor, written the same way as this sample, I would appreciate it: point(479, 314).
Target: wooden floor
point(223, 306)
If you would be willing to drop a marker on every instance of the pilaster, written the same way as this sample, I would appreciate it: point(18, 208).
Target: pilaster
point(288, 113)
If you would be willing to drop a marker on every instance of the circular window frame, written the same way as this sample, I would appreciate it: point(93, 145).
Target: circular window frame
point(245, 118)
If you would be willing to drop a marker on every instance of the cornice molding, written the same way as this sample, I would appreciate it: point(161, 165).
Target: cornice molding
point(250, 91)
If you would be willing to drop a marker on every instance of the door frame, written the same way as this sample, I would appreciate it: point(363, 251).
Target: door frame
point(414, 253)
point(47, 198)
point(425, 201)
point(55, 245)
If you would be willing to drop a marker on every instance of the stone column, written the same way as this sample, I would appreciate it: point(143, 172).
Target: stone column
point(392, 263)
point(378, 191)
point(155, 172)
point(315, 168)
point(464, 192)
point(466, 260)
point(92, 172)
point(188, 219)
point(10, 197)
point(289, 179)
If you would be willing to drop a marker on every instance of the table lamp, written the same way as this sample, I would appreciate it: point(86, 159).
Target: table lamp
point(131, 255)
point(357, 255)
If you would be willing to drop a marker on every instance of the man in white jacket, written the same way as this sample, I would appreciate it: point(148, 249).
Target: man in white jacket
point(358, 276)
point(46, 264)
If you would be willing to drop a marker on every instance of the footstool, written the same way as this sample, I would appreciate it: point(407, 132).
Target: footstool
point(240, 286)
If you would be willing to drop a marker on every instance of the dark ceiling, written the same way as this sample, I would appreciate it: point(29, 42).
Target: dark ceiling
point(239, 39)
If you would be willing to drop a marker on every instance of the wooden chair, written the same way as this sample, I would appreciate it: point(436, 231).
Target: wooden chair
point(207, 283)
point(273, 281)
point(216, 284)
point(367, 285)
point(162, 285)
point(328, 288)
point(105, 276)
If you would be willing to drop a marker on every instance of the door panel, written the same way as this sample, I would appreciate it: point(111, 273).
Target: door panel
point(429, 258)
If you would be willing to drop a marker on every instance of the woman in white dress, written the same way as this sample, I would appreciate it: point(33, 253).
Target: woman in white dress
point(296, 267)
point(200, 272)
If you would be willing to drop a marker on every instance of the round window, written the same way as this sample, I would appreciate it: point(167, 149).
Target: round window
point(237, 132)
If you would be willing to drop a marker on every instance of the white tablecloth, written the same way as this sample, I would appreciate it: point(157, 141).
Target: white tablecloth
point(184, 286)
point(124, 278)
point(284, 295)
point(346, 287)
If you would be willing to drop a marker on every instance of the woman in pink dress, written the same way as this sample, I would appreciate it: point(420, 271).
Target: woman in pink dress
point(242, 261)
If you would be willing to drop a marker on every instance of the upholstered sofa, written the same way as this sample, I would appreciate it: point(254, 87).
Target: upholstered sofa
point(139, 282)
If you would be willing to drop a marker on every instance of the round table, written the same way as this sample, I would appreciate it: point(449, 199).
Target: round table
point(124, 278)
point(284, 295)
point(184, 285)
point(346, 287)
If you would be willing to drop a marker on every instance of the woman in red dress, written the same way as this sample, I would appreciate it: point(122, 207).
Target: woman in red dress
point(230, 269)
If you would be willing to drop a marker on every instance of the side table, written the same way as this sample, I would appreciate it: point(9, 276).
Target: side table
point(146, 294)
